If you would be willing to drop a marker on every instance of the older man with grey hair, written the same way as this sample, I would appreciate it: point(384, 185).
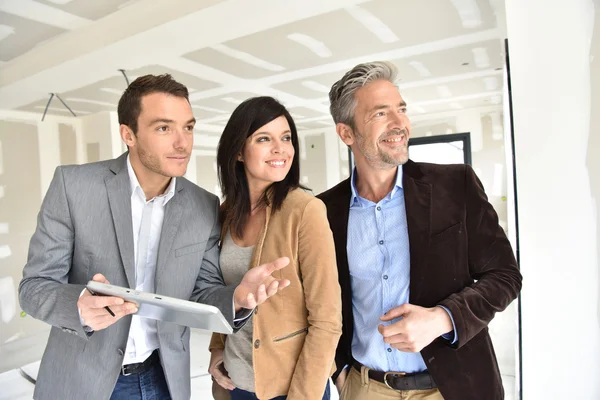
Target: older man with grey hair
point(423, 263)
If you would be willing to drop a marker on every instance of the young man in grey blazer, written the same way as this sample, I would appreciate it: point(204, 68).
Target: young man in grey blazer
point(136, 222)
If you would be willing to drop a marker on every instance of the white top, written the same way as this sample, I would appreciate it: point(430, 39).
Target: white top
point(143, 337)
point(237, 356)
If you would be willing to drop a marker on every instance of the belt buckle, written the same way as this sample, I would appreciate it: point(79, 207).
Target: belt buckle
point(391, 373)
point(123, 371)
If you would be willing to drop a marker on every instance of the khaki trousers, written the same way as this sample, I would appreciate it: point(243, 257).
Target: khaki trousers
point(358, 386)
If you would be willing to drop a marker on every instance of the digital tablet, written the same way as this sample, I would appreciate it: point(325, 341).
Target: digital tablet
point(168, 309)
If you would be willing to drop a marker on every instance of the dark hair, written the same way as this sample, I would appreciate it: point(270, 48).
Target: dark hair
point(246, 119)
point(130, 104)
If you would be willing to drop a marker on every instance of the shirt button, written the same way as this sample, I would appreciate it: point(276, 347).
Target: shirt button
point(256, 344)
point(385, 277)
point(378, 208)
point(389, 350)
point(381, 242)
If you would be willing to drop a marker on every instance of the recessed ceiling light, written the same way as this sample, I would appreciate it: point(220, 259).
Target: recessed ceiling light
point(421, 69)
point(490, 83)
point(482, 60)
point(372, 23)
point(247, 58)
point(314, 45)
point(469, 12)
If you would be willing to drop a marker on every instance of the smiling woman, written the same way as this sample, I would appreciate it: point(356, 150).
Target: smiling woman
point(259, 139)
point(287, 349)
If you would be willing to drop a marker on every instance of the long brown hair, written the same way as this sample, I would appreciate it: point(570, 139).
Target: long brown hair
point(246, 119)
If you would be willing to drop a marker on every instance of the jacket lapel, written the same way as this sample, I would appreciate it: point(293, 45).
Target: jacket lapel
point(172, 219)
point(119, 199)
point(338, 211)
point(417, 196)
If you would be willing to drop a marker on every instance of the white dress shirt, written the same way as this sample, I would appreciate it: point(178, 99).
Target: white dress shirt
point(143, 337)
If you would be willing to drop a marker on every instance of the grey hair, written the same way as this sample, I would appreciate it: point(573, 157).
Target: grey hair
point(341, 95)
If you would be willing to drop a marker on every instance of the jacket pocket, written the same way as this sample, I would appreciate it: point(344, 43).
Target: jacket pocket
point(291, 335)
point(447, 234)
point(192, 248)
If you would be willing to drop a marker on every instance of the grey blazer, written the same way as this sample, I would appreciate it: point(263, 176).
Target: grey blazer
point(84, 227)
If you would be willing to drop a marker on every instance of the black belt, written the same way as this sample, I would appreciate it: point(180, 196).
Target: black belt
point(141, 367)
point(400, 380)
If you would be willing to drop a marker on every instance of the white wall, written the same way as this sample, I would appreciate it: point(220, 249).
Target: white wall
point(30, 150)
point(102, 130)
point(551, 79)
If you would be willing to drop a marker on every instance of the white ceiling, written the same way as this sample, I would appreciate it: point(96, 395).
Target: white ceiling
point(449, 52)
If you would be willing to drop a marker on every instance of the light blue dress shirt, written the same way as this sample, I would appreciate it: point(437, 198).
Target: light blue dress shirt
point(379, 262)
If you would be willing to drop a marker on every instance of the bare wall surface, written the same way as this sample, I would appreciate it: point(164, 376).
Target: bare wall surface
point(557, 191)
point(206, 175)
point(20, 200)
point(68, 144)
point(593, 153)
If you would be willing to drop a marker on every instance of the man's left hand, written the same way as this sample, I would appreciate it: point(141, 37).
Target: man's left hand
point(418, 327)
point(258, 284)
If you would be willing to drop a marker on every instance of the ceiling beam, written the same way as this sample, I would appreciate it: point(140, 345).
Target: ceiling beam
point(39, 12)
point(95, 52)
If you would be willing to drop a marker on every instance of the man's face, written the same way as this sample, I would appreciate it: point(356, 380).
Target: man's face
point(165, 135)
point(382, 129)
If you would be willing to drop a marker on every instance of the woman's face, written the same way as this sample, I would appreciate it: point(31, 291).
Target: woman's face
point(268, 154)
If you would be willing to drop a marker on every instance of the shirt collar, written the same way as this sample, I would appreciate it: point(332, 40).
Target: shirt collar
point(355, 197)
point(135, 185)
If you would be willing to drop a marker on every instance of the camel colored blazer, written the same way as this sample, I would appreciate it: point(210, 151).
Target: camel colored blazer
point(296, 332)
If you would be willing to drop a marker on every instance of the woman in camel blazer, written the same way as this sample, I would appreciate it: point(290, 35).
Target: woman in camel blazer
point(290, 344)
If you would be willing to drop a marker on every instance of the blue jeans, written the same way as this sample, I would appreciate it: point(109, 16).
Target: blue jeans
point(239, 394)
point(147, 385)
